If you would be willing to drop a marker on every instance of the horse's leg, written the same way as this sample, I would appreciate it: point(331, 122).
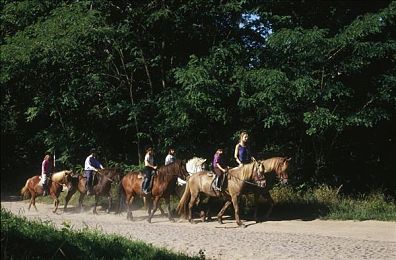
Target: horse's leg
point(96, 203)
point(31, 200)
point(221, 212)
point(167, 201)
point(129, 202)
point(191, 204)
point(160, 209)
point(155, 206)
point(271, 205)
point(80, 202)
point(34, 202)
point(234, 199)
point(110, 202)
point(56, 202)
point(69, 194)
point(256, 199)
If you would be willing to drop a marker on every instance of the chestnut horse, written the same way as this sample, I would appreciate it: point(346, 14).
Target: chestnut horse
point(33, 188)
point(201, 182)
point(163, 185)
point(102, 185)
point(275, 171)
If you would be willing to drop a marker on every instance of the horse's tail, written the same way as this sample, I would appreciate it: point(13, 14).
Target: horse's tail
point(182, 207)
point(121, 197)
point(25, 194)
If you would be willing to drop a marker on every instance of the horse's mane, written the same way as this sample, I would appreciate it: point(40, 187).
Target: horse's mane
point(245, 172)
point(275, 164)
point(166, 172)
point(58, 176)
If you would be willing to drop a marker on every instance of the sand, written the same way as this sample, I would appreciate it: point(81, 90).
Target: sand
point(295, 239)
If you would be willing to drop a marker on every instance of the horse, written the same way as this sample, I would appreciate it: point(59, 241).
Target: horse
point(201, 182)
point(276, 169)
point(102, 185)
point(33, 188)
point(163, 185)
point(194, 165)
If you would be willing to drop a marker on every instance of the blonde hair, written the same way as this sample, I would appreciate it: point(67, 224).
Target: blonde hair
point(47, 157)
point(242, 134)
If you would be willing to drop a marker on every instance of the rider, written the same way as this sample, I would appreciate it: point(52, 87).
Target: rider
point(91, 164)
point(219, 168)
point(242, 154)
point(46, 169)
point(149, 169)
point(170, 158)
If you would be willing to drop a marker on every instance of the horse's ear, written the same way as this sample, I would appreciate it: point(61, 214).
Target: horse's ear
point(288, 159)
point(204, 160)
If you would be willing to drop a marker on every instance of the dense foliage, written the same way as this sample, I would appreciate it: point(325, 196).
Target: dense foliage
point(314, 80)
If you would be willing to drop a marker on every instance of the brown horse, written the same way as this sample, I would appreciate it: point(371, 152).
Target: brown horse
point(163, 186)
point(102, 185)
point(275, 170)
point(201, 182)
point(33, 188)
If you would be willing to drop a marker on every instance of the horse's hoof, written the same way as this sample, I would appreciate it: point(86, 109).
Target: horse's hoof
point(172, 220)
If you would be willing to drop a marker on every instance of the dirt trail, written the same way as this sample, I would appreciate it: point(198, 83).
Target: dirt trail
point(293, 239)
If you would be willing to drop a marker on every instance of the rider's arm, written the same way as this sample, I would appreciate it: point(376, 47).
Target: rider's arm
point(221, 168)
point(236, 154)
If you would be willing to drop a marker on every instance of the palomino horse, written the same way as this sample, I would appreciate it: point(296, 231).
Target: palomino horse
point(275, 170)
point(33, 188)
point(102, 185)
point(202, 183)
point(163, 185)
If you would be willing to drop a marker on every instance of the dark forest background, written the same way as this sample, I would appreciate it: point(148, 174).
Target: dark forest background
point(312, 80)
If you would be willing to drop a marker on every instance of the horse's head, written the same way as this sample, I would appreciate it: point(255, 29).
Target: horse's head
point(183, 173)
point(112, 175)
point(281, 171)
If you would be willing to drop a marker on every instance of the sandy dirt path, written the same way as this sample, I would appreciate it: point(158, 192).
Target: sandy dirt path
point(293, 239)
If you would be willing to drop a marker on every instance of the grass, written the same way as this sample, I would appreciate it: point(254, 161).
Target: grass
point(23, 239)
point(327, 202)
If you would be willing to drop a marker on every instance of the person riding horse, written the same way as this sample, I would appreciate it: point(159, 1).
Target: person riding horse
point(46, 170)
point(219, 169)
point(91, 164)
point(149, 170)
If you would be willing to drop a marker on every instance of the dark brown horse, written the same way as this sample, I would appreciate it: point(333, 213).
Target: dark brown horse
point(201, 182)
point(33, 188)
point(163, 186)
point(102, 185)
